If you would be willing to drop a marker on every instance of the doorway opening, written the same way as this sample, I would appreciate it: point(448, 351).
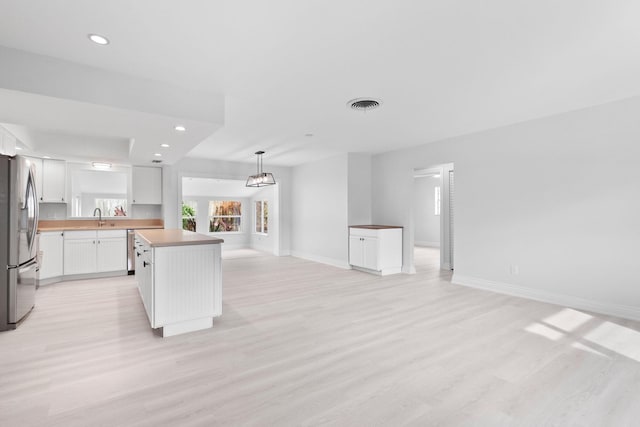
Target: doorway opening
point(432, 211)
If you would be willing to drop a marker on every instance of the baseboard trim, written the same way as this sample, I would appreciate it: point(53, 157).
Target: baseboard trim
point(426, 244)
point(321, 259)
point(610, 309)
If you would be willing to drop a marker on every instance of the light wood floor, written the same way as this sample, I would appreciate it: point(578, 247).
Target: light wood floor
point(301, 343)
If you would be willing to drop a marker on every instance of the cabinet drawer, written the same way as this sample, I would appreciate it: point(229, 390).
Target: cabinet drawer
point(106, 234)
point(84, 234)
point(363, 232)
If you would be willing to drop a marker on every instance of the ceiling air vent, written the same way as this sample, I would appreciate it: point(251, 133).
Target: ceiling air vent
point(364, 104)
point(156, 161)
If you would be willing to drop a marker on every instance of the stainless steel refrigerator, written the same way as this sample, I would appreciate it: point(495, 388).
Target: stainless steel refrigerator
point(18, 239)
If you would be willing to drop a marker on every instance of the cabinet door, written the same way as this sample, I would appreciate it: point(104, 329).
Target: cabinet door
point(54, 174)
point(144, 274)
point(52, 248)
point(146, 186)
point(112, 254)
point(356, 256)
point(79, 256)
point(370, 253)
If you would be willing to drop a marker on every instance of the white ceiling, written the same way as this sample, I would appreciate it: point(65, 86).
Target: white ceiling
point(287, 68)
point(208, 187)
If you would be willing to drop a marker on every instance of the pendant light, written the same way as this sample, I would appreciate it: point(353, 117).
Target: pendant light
point(260, 179)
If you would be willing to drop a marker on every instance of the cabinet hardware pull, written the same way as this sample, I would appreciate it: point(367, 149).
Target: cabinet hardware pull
point(94, 242)
point(137, 253)
point(145, 263)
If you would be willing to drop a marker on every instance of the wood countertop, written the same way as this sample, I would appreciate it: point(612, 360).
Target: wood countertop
point(176, 237)
point(375, 227)
point(92, 224)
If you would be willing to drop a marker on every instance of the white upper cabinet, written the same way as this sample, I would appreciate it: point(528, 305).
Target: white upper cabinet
point(147, 186)
point(54, 174)
point(51, 180)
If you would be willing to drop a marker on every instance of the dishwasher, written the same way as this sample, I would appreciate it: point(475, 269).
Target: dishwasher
point(131, 252)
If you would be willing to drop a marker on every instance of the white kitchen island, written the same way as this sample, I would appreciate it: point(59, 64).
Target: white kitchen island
point(179, 276)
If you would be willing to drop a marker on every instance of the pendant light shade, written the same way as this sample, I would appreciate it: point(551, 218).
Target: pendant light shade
point(260, 179)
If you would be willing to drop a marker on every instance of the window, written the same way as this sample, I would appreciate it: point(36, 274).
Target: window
point(112, 207)
point(225, 216)
point(189, 215)
point(436, 200)
point(262, 217)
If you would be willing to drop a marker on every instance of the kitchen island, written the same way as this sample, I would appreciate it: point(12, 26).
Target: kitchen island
point(179, 276)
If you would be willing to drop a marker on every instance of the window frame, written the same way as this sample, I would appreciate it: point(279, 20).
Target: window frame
point(210, 217)
point(262, 222)
point(192, 203)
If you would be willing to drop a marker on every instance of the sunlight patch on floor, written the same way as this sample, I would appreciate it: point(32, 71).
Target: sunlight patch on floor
point(544, 331)
point(568, 319)
point(617, 338)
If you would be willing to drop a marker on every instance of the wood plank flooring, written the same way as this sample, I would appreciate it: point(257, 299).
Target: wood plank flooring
point(301, 343)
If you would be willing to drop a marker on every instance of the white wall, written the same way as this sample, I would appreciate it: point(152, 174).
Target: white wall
point(172, 190)
point(427, 223)
point(557, 197)
point(319, 217)
point(359, 188)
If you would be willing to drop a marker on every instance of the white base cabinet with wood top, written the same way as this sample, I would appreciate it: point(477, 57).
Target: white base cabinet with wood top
point(95, 251)
point(376, 249)
point(180, 280)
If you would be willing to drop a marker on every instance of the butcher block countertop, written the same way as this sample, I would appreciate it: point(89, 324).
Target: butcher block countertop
point(92, 224)
point(375, 227)
point(175, 237)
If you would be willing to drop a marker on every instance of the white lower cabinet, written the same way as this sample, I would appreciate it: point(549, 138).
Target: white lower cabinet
point(95, 251)
point(376, 249)
point(52, 247)
point(112, 254)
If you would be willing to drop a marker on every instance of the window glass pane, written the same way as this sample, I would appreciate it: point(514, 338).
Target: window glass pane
point(265, 221)
point(112, 207)
point(225, 208)
point(225, 216)
point(189, 215)
point(258, 217)
point(221, 224)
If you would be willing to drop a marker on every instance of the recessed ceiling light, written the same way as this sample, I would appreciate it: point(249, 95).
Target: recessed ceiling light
point(46, 157)
point(158, 155)
point(98, 39)
point(436, 176)
point(164, 145)
point(180, 128)
point(18, 148)
point(101, 165)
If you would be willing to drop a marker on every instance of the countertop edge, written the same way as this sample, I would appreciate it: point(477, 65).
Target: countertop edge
point(205, 240)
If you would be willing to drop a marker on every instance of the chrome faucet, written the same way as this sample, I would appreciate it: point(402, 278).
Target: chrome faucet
point(100, 222)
